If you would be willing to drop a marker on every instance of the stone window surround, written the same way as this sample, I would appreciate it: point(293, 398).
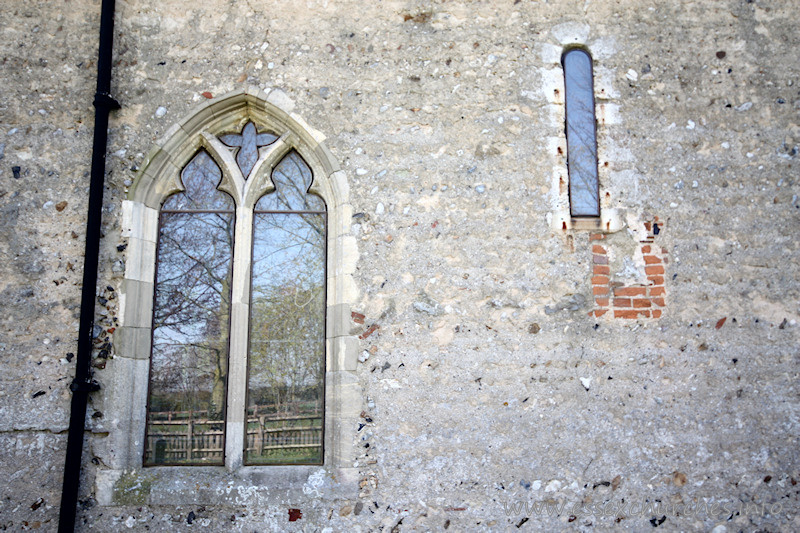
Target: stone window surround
point(567, 36)
point(125, 396)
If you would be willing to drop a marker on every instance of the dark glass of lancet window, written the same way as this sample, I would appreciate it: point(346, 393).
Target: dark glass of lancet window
point(191, 320)
point(286, 363)
point(584, 185)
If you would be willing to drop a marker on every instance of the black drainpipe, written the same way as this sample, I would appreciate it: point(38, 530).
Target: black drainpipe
point(83, 383)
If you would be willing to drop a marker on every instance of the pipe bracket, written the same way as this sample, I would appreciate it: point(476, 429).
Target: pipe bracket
point(104, 100)
point(85, 385)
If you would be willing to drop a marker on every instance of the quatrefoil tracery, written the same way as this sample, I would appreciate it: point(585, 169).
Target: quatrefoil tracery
point(248, 142)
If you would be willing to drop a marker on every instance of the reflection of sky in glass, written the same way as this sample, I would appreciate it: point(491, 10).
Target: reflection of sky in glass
point(288, 299)
point(192, 300)
point(286, 367)
point(581, 136)
point(200, 179)
point(292, 178)
point(248, 142)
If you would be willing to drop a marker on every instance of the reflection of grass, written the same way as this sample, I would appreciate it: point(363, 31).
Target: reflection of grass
point(158, 428)
point(307, 421)
point(285, 457)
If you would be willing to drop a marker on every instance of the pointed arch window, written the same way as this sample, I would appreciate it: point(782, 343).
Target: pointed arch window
point(237, 366)
point(191, 320)
point(286, 367)
point(235, 312)
point(584, 184)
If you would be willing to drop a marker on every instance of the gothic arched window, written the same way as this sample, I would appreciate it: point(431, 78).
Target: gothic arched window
point(239, 284)
point(191, 319)
point(234, 344)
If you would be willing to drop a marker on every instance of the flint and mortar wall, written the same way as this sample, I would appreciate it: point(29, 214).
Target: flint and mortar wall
point(498, 361)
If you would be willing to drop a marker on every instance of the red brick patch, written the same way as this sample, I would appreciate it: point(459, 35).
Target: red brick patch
point(630, 291)
point(633, 301)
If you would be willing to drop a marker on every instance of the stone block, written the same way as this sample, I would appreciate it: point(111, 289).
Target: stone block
point(136, 304)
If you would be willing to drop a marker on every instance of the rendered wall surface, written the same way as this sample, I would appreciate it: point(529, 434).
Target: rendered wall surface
point(507, 354)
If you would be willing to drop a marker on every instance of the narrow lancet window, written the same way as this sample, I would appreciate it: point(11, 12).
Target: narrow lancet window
point(191, 318)
point(584, 186)
point(286, 365)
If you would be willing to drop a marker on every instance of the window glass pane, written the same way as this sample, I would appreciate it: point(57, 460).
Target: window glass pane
point(291, 178)
point(188, 367)
point(200, 179)
point(286, 365)
point(581, 136)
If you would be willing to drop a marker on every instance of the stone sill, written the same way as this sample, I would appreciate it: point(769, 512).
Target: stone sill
point(216, 485)
point(609, 221)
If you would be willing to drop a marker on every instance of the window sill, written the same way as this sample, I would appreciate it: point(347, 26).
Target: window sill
point(609, 221)
point(216, 485)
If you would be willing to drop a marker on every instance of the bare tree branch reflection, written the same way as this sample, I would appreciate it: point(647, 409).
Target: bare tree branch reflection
point(191, 316)
point(287, 330)
point(581, 134)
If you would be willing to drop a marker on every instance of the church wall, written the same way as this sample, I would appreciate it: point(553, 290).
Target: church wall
point(506, 353)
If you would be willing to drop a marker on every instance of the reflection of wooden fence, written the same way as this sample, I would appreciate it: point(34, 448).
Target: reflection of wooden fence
point(185, 441)
point(252, 410)
point(174, 437)
point(286, 408)
point(301, 432)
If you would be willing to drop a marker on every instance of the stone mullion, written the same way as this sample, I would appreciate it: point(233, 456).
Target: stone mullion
point(247, 193)
point(237, 358)
point(233, 182)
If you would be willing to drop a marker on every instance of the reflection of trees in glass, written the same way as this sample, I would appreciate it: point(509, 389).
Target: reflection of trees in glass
point(581, 134)
point(287, 308)
point(287, 324)
point(191, 316)
point(292, 178)
point(192, 302)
